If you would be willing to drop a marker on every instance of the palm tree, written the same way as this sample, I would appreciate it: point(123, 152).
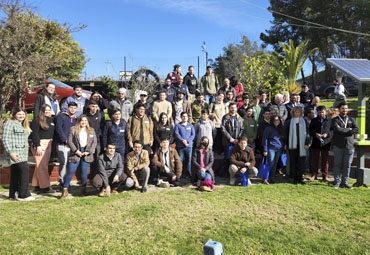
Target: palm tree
point(294, 58)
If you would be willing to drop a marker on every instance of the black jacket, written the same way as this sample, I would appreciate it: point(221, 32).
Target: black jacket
point(306, 97)
point(166, 131)
point(321, 128)
point(97, 122)
point(343, 135)
point(191, 82)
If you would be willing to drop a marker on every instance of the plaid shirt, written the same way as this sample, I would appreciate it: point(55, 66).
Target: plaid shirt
point(15, 139)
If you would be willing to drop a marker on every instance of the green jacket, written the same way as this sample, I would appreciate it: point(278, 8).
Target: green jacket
point(196, 110)
point(15, 140)
point(209, 84)
point(250, 128)
point(257, 112)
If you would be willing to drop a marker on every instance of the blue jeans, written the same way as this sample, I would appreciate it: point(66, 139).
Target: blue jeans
point(186, 151)
point(121, 151)
point(342, 163)
point(273, 157)
point(210, 99)
point(204, 176)
point(71, 170)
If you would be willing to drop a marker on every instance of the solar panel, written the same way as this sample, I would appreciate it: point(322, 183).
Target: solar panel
point(358, 69)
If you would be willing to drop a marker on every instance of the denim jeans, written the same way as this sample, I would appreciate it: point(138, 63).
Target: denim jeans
point(71, 170)
point(63, 153)
point(273, 157)
point(186, 152)
point(210, 99)
point(204, 176)
point(342, 164)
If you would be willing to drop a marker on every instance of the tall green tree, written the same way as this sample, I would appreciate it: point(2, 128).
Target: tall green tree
point(353, 15)
point(294, 58)
point(33, 48)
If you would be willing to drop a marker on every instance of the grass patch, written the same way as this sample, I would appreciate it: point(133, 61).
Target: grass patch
point(352, 103)
point(275, 219)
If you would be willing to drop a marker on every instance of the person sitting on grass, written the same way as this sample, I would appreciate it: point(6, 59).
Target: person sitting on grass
point(203, 160)
point(110, 174)
point(242, 160)
point(166, 161)
point(138, 163)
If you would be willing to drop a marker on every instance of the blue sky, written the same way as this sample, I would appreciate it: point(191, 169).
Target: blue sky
point(158, 33)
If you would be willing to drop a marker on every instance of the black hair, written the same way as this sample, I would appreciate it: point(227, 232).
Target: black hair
point(183, 114)
point(77, 86)
point(205, 111)
point(321, 108)
point(112, 144)
point(138, 142)
point(93, 102)
point(341, 104)
point(72, 104)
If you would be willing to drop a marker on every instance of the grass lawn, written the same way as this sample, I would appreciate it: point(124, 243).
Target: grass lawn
point(352, 103)
point(274, 219)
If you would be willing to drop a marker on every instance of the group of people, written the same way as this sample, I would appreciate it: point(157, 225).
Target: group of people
point(176, 136)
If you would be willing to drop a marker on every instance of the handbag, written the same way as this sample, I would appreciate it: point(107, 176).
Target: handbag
point(264, 169)
point(244, 178)
point(283, 158)
point(229, 151)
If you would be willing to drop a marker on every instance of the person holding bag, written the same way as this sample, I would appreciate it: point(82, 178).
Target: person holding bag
point(272, 145)
point(43, 127)
point(15, 140)
point(82, 141)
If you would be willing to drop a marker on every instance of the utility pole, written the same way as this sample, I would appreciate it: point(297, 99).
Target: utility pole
point(205, 51)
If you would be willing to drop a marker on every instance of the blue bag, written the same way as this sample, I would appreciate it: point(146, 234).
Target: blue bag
point(244, 178)
point(283, 158)
point(264, 169)
point(229, 151)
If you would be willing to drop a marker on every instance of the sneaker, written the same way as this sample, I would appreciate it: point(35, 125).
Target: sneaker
point(205, 188)
point(324, 179)
point(158, 182)
point(101, 193)
point(271, 180)
point(48, 190)
point(115, 192)
point(143, 189)
point(36, 189)
point(346, 186)
point(30, 198)
point(232, 181)
point(336, 186)
point(265, 182)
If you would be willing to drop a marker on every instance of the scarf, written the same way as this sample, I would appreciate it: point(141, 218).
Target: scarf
point(293, 139)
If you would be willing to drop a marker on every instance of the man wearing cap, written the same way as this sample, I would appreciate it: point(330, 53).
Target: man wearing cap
point(175, 75)
point(306, 95)
point(144, 100)
point(192, 82)
point(122, 104)
point(179, 106)
point(162, 105)
point(180, 87)
point(209, 85)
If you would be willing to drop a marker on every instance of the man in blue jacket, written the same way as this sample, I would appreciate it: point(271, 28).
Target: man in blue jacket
point(65, 120)
point(78, 98)
point(185, 133)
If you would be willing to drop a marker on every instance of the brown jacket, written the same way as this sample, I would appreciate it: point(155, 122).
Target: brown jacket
point(135, 164)
point(239, 157)
point(74, 144)
point(186, 106)
point(175, 161)
point(134, 129)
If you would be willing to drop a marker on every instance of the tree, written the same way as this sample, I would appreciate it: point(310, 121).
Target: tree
point(294, 58)
point(352, 15)
point(33, 48)
point(262, 73)
point(232, 59)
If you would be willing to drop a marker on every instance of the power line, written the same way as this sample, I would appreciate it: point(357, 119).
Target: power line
point(318, 26)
